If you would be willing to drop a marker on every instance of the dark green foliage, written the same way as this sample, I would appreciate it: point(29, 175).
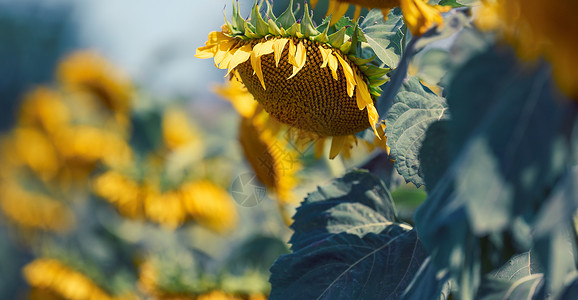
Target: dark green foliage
point(384, 37)
point(348, 245)
point(509, 145)
point(413, 110)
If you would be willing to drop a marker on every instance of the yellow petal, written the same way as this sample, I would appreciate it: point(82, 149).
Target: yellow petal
point(420, 16)
point(291, 53)
point(362, 94)
point(357, 12)
point(278, 46)
point(325, 54)
point(340, 10)
point(350, 78)
point(216, 37)
point(333, 65)
point(240, 56)
point(222, 50)
point(256, 64)
point(299, 59)
point(373, 118)
point(337, 143)
point(206, 51)
point(319, 146)
point(224, 64)
point(263, 48)
point(314, 3)
point(385, 12)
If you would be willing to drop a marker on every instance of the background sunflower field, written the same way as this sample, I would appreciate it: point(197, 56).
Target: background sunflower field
point(331, 149)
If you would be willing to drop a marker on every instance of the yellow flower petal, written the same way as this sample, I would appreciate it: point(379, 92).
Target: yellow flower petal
point(222, 51)
point(350, 78)
point(236, 93)
point(206, 52)
point(211, 46)
point(256, 64)
point(216, 37)
point(373, 118)
point(420, 16)
point(299, 59)
point(340, 10)
point(278, 47)
point(325, 54)
point(362, 94)
point(333, 64)
point(240, 56)
point(357, 12)
point(226, 59)
point(264, 48)
point(337, 143)
point(385, 12)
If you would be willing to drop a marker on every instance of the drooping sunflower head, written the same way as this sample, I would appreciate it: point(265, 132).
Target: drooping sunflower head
point(309, 77)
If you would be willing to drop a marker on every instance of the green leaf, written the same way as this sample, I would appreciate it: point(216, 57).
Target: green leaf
point(427, 282)
point(431, 65)
point(458, 3)
point(413, 110)
point(287, 18)
point(519, 278)
point(384, 37)
point(307, 27)
point(361, 204)
point(433, 155)
point(256, 253)
point(261, 27)
point(347, 245)
point(509, 144)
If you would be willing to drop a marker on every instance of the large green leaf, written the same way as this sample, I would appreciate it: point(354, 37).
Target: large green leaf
point(413, 110)
point(427, 282)
point(348, 245)
point(384, 37)
point(509, 143)
point(519, 278)
point(358, 203)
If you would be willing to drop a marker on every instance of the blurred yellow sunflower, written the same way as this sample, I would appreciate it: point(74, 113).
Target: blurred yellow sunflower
point(209, 205)
point(274, 162)
point(53, 275)
point(419, 16)
point(535, 29)
point(43, 108)
point(31, 209)
point(121, 191)
point(91, 74)
point(201, 201)
point(310, 78)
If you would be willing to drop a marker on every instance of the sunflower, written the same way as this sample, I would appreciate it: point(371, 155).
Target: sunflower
point(44, 108)
point(418, 15)
point(538, 29)
point(310, 78)
point(121, 191)
point(90, 74)
point(209, 205)
point(31, 209)
point(201, 201)
point(53, 275)
point(274, 162)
